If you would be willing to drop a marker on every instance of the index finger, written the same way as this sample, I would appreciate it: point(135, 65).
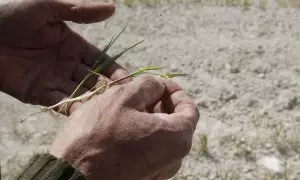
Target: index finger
point(182, 109)
point(76, 11)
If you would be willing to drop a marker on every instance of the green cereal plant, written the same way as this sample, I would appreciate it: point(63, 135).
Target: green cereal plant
point(203, 144)
point(100, 65)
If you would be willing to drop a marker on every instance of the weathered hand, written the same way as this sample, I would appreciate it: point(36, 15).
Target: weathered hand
point(139, 130)
point(42, 59)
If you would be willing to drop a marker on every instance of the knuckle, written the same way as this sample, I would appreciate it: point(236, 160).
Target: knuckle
point(117, 90)
point(125, 95)
point(190, 102)
point(148, 80)
point(193, 114)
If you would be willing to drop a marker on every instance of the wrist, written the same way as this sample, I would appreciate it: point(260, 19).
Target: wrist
point(70, 154)
point(92, 163)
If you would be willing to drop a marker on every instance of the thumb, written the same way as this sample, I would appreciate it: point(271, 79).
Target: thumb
point(84, 12)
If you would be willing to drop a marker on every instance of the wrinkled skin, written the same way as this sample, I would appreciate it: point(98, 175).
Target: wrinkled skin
point(139, 130)
point(42, 59)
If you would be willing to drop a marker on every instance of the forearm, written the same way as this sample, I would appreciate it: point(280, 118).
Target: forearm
point(46, 166)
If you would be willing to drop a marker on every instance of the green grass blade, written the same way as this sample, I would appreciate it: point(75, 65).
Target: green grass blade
point(124, 51)
point(94, 66)
point(145, 69)
point(108, 45)
point(92, 72)
point(121, 32)
point(110, 61)
point(81, 83)
point(104, 65)
point(172, 75)
point(111, 42)
point(151, 68)
point(99, 61)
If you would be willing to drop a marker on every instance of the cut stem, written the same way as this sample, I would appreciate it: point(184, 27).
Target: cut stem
point(84, 96)
point(94, 92)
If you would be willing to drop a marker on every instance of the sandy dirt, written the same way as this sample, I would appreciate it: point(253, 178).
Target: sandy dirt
point(244, 75)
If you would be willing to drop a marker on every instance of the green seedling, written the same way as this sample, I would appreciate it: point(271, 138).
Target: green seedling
point(203, 143)
point(145, 69)
point(100, 65)
point(86, 96)
point(94, 92)
point(97, 66)
point(172, 75)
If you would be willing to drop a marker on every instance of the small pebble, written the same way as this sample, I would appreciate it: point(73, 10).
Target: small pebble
point(242, 140)
point(271, 163)
point(248, 149)
point(269, 145)
point(262, 75)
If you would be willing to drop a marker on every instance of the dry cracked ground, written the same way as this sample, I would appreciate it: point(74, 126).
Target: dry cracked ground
point(244, 74)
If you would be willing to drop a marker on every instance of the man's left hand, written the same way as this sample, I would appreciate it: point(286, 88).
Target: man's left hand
point(42, 59)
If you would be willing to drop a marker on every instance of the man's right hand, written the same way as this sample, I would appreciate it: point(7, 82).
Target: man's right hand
point(139, 130)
